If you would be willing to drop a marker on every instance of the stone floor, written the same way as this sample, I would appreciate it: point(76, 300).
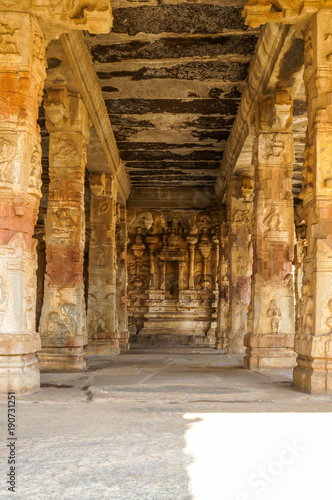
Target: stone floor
point(162, 423)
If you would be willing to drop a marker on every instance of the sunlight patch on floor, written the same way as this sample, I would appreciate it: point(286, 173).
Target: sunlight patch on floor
point(259, 456)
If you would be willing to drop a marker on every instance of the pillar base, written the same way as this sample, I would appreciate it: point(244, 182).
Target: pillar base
point(103, 348)
point(124, 346)
point(313, 376)
point(235, 349)
point(67, 359)
point(19, 373)
point(269, 351)
point(221, 343)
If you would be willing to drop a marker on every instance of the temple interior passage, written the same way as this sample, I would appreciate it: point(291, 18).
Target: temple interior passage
point(165, 180)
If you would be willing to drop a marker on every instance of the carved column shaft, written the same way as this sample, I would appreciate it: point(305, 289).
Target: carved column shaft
point(192, 240)
point(222, 341)
point(22, 73)
point(270, 343)
point(240, 220)
point(63, 318)
point(121, 281)
point(101, 316)
point(314, 336)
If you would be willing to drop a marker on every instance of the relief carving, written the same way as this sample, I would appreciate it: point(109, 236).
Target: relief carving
point(64, 224)
point(62, 322)
point(7, 151)
point(272, 220)
point(8, 44)
point(275, 314)
point(241, 216)
point(30, 304)
point(35, 181)
point(65, 149)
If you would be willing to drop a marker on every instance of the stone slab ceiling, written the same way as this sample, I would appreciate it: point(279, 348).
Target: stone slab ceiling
point(172, 73)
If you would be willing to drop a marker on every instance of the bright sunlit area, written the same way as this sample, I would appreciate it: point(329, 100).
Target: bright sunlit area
point(259, 456)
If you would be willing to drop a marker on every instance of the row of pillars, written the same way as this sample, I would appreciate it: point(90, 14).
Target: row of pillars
point(65, 329)
point(261, 309)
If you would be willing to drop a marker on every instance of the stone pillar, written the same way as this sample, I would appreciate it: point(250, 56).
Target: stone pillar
point(240, 196)
point(191, 240)
point(101, 316)
point(270, 341)
point(121, 282)
point(223, 296)
point(22, 73)
point(63, 318)
point(152, 241)
point(313, 373)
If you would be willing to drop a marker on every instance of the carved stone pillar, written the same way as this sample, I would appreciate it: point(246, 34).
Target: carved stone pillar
point(63, 318)
point(152, 242)
point(223, 298)
point(121, 282)
point(22, 73)
point(270, 342)
point(191, 240)
point(240, 196)
point(24, 28)
point(101, 316)
point(313, 342)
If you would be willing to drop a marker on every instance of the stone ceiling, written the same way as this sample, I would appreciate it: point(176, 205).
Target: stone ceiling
point(172, 73)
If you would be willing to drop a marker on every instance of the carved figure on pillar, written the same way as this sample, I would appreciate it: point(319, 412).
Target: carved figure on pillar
point(63, 318)
point(103, 300)
point(25, 29)
point(121, 281)
point(240, 207)
point(270, 343)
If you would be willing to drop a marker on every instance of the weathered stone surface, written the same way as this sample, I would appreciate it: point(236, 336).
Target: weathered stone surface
point(172, 286)
point(313, 337)
point(102, 300)
point(168, 48)
point(240, 196)
point(180, 18)
point(63, 318)
point(270, 338)
point(22, 72)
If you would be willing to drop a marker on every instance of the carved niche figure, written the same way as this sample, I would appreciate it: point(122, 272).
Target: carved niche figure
point(30, 301)
point(102, 207)
point(306, 309)
point(100, 256)
point(7, 151)
point(65, 148)
point(62, 322)
point(7, 42)
point(272, 220)
point(274, 313)
point(35, 181)
point(64, 224)
point(276, 147)
point(242, 216)
point(38, 47)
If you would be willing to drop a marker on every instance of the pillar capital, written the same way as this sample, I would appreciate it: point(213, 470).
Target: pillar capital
point(61, 16)
point(298, 12)
point(65, 112)
point(275, 113)
point(102, 184)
